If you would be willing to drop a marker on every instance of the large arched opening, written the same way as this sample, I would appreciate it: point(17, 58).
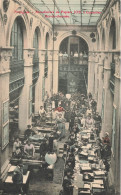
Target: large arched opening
point(73, 65)
point(35, 73)
point(16, 81)
point(112, 46)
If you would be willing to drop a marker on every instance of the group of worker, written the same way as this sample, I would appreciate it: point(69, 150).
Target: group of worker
point(80, 113)
point(83, 119)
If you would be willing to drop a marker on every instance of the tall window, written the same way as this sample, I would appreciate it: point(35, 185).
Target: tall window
point(112, 37)
point(17, 40)
point(35, 58)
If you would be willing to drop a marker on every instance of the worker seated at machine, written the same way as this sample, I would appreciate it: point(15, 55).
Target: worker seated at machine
point(29, 149)
point(17, 150)
point(18, 153)
point(42, 114)
point(28, 132)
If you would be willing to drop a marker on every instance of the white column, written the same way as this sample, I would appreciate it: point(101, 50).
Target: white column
point(49, 82)
point(96, 76)
point(100, 82)
point(108, 97)
point(91, 70)
point(38, 86)
point(55, 71)
point(115, 158)
point(25, 115)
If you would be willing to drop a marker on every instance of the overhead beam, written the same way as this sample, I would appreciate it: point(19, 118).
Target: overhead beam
point(81, 11)
point(91, 11)
point(60, 11)
point(49, 10)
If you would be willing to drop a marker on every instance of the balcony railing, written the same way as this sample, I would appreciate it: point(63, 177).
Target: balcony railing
point(64, 60)
point(35, 68)
point(112, 79)
point(46, 65)
point(72, 63)
point(72, 68)
point(112, 85)
point(16, 75)
point(17, 70)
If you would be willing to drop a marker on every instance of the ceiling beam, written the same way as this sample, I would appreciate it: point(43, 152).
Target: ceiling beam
point(91, 11)
point(60, 11)
point(71, 11)
point(49, 10)
point(81, 11)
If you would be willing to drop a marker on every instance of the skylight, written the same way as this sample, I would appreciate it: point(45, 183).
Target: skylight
point(78, 12)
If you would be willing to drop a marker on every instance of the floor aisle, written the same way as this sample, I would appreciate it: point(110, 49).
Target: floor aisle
point(39, 185)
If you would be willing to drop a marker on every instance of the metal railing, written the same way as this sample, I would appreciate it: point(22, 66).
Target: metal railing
point(64, 60)
point(112, 78)
point(35, 73)
point(17, 70)
point(16, 75)
point(46, 65)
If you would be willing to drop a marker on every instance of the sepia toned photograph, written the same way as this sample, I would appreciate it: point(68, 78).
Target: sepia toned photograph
point(60, 97)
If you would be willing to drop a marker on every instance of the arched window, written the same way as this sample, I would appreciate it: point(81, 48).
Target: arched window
point(17, 40)
point(112, 46)
point(112, 37)
point(113, 32)
point(17, 62)
point(36, 56)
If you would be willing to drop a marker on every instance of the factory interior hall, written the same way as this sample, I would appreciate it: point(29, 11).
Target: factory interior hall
point(60, 97)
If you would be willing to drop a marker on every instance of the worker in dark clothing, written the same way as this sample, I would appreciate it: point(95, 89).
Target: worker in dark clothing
point(93, 105)
point(67, 184)
point(17, 177)
point(76, 129)
point(98, 120)
point(43, 148)
point(28, 132)
point(72, 118)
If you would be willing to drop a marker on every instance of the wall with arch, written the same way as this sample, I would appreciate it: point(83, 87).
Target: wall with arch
point(103, 27)
point(29, 22)
point(63, 34)
point(108, 30)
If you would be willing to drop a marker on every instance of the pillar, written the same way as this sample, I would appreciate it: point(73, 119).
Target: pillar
point(96, 77)
point(38, 86)
point(49, 82)
point(5, 54)
point(91, 69)
point(115, 158)
point(100, 82)
point(43, 79)
point(55, 71)
point(25, 100)
point(108, 97)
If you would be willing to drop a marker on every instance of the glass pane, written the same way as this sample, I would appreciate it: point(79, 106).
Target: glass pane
point(72, 6)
